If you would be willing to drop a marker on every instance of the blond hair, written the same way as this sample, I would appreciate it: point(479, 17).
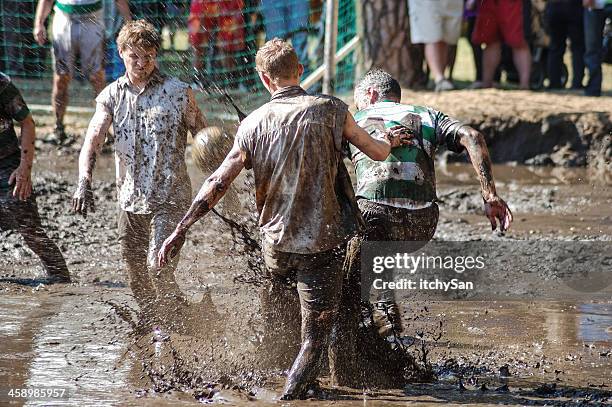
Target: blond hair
point(140, 34)
point(277, 59)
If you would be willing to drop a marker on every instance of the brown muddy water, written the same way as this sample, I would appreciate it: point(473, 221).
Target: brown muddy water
point(88, 338)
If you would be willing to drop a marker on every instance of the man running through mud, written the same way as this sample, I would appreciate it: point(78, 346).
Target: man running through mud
point(397, 197)
point(151, 114)
point(293, 144)
point(18, 210)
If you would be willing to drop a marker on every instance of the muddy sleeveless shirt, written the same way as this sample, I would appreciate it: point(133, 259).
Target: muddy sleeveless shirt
point(293, 144)
point(150, 140)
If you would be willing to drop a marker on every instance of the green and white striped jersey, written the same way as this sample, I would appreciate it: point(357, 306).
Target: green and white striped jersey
point(78, 6)
point(406, 179)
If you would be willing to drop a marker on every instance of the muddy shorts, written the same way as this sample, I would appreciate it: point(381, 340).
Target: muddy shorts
point(78, 34)
point(500, 20)
point(318, 275)
point(435, 20)
point(388, 223)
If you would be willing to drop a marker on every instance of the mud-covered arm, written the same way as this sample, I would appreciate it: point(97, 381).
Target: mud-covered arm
point(476, 147)
point(96, 132)
point(195, 118)
point(376, 148)
point(43, 9)
point(209, 195)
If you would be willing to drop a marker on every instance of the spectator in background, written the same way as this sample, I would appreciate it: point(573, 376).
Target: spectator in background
point(594, 20)
point(437, 24)
point(564, 19)
point(220, 21)
point(78, 28)
point(469, 14)
point(288, 20)
point(502, 20)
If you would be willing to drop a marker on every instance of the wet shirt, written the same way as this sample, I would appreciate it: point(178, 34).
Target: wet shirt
point(406, 179)
point(150, 140)
point(293, 144)
point(12, 107)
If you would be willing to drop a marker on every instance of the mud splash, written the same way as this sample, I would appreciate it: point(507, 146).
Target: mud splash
point(87, 336)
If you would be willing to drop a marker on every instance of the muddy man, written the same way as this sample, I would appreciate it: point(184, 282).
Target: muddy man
point(151, 114)
point(293, 144)
point(18, 210)
point(397, 197)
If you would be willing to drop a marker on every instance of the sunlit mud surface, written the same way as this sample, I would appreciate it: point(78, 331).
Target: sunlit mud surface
point(90, 337)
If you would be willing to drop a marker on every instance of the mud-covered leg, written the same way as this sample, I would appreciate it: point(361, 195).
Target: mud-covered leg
point(28, 224)
point(280, 307)
point(134, 238)
point(343, 351)
point(319, 286)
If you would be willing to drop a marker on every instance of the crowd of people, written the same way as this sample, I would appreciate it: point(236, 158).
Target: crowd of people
point(223, 33)
point(494, 23)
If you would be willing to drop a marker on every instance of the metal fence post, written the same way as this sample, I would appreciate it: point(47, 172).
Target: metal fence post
point(331, 40)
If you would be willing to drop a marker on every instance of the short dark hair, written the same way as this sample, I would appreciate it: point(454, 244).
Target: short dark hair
point(385, 84)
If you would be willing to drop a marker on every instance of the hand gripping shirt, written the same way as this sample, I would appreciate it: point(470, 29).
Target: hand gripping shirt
point(294, 146)
point(150, 140)
point(406, 179)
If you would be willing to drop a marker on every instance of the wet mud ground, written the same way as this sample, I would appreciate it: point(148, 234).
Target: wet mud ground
point(86, 336)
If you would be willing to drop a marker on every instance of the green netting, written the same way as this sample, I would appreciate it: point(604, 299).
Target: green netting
point(228, 31)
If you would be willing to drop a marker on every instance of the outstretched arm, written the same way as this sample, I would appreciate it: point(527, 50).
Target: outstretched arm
point(210, 193)
point(98, 126)
point(375, 148)
point(495, 207)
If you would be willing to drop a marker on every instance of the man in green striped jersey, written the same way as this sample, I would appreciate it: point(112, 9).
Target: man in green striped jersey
point(78, 29)
point(397, 196)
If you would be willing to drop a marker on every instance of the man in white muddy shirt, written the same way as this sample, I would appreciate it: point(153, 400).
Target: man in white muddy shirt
point(151, 114)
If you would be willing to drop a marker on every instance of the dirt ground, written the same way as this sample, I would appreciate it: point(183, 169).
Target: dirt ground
point(535, 349)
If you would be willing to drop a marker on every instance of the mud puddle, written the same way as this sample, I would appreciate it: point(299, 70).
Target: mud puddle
point(82, 336)
point(504, 352)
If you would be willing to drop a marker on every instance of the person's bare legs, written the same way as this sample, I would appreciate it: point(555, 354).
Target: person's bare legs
point(491, 57)
point(59, 98)
point(97, 80)
point(522, 61)
point(436, 55)
point(452, 56)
